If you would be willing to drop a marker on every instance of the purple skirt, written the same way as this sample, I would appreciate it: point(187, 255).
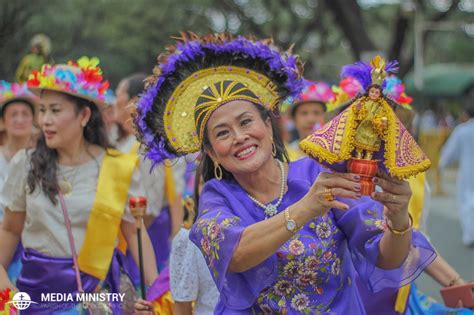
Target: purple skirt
point(42, 274)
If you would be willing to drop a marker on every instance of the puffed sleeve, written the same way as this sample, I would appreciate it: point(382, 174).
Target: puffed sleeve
point(15, 187)
point(217, 233)
point(364, 225)
point(183, 268)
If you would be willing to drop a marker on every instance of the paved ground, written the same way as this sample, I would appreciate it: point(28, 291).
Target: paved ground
point(445, 234)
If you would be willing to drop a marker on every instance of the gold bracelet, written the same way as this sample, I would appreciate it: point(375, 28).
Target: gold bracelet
point(396, 232)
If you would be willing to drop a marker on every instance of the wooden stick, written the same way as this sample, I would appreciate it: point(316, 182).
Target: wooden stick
point(137, 205)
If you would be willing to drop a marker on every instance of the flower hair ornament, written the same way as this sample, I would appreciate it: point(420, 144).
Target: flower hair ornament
point(199, 74)
point(82, 78)
point(11, 92)
point(313, 92)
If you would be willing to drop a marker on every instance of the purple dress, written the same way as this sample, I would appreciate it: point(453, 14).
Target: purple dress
point(313, 272)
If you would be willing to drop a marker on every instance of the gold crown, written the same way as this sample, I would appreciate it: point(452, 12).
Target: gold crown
point(199, 95)
point(378, 72)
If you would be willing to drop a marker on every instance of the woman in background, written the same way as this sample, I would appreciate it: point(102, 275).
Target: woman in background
point(17, 112)
point(66, 199)
point(307, 111)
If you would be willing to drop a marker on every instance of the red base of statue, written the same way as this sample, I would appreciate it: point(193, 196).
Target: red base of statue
point(367, 170)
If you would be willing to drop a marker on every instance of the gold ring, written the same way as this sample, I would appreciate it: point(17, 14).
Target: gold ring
point(328, 195)
point(393, 199)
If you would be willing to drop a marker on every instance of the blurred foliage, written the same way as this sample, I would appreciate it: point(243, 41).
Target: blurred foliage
point(128, 35)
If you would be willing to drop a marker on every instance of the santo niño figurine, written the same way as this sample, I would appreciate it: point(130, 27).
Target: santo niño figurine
point(368, 131)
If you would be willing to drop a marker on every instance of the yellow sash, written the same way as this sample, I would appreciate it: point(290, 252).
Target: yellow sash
point(122, 242)
point(170, 191)
point(106, 214)
point(415, 207)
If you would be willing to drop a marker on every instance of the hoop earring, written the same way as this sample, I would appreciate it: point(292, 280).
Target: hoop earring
point(217, 171)
point(274, 149)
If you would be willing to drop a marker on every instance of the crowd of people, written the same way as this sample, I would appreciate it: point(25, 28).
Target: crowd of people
point(238, 219)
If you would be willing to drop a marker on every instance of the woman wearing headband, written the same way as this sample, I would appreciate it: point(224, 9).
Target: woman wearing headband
point(307, 111)
point(17, 112)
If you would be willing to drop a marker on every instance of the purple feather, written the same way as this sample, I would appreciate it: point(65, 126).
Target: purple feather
point(392, 67)
point(359, 71)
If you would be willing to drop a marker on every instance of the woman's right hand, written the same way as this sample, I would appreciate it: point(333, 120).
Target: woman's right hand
point(5, 281)
point(328, 186)
point(143, 307)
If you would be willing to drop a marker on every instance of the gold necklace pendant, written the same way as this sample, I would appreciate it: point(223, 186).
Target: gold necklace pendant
point(66, 187)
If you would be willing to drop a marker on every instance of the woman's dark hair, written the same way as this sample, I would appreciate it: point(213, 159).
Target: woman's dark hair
point(469, 109)
point(197, 182)
point(374, 86)
point(22, 101)
point(281, 154)
point(295, 107)
point(44, 160)
point(136, 84)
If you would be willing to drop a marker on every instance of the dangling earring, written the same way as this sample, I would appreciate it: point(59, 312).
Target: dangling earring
point(274, 149)
point(217, 171)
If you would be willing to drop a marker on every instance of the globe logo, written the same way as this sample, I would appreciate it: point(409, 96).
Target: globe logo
point(21, 301)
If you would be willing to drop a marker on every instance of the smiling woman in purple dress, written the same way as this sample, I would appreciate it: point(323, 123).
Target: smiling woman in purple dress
point(277, 237)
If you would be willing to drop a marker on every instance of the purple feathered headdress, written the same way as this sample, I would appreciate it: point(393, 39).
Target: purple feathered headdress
point(184, 60)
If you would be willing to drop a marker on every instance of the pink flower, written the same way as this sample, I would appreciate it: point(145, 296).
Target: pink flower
point(312, 262)
point(292, 268)
point(213, 230)
point(306, 278)
point(300, 302)
point(206, 246)
point(296, 247)
point(327, 256)
point(381, 224)
point(283, 288)
point(323, 230)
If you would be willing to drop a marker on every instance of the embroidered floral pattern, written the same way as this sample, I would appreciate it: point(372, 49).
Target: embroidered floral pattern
point(283, 288)
point(296, 247)
point(336, 267)
point(375, 222)
point(306, 264)
point(212, 235)
point(300, 302)
point(323, 230)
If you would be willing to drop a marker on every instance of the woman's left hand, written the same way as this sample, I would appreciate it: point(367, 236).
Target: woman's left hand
point(143, 307)
point(395, 197)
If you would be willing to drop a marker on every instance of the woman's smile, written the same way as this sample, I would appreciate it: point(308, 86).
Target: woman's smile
point(246, 152)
